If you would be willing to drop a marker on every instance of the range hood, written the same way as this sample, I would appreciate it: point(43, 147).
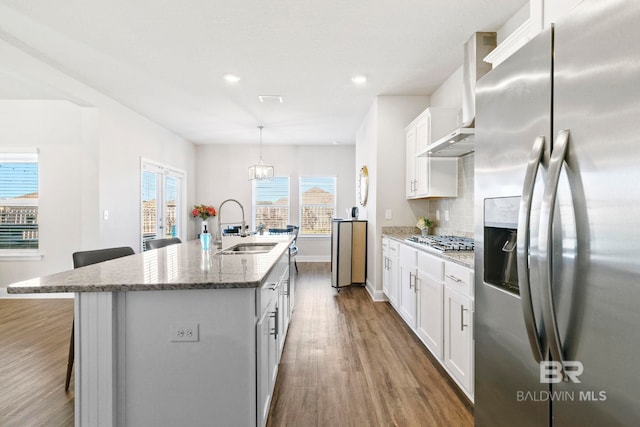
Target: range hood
point(460, 141)
point(456, 144)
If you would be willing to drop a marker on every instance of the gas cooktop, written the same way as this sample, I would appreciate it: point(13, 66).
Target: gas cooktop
point(444, 243)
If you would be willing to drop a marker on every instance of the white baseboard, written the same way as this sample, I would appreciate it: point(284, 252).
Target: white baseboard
point(376, 295)
point(313, 258)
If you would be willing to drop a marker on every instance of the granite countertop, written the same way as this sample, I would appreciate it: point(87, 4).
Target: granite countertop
point(176, 267)
point(465, 259)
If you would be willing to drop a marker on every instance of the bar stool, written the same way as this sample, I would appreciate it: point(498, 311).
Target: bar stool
point(81, 259)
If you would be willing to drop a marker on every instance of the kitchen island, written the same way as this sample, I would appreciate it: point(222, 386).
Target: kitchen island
point(177, 336)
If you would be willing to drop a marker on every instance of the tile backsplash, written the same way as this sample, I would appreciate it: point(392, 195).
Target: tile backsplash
point(461, 208)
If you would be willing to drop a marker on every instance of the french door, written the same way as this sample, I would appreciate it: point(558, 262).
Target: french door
point(162, 209)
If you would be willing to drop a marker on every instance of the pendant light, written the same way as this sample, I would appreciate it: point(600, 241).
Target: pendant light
point(260, 171)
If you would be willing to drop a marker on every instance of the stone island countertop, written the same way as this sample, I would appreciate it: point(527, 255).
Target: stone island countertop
point(177, 267)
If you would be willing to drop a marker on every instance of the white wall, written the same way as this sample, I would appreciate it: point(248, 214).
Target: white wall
point(380, 145)
point(90, 150)
point(222, 173)
point(65, 197)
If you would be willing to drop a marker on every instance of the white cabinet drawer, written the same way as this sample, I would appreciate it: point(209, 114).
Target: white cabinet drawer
point(459, 278)
point(430, 265)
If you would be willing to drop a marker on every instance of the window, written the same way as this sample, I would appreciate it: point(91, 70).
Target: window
point(161, 205)
point(317, 205)
point(271, 202)
point(18, 201)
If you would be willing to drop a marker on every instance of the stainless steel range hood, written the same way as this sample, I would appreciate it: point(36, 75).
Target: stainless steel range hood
point(460, 141)
point(456, 144)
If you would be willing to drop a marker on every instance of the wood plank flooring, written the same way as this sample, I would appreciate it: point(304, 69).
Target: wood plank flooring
point(34, 344)
point(349, 361)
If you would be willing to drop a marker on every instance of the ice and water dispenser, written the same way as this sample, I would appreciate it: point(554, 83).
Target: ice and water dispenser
point(500, 237)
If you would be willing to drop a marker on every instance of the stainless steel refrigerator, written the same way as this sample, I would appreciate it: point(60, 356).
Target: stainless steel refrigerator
point(557, 206)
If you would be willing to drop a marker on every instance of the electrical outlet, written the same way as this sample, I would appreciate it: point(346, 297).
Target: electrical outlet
point(437, 214)
point(388, 214)
point(184, 331)
point(446, 215)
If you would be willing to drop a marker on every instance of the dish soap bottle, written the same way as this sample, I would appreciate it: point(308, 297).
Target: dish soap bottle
point(205, 239)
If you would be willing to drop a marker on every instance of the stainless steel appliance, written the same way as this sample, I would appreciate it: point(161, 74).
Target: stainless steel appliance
point(443, 244)
point(557, 337)
point(348, 252)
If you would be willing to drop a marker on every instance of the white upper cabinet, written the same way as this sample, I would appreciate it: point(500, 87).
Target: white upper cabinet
point(426, 176)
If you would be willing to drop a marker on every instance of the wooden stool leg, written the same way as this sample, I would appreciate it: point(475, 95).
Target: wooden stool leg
point(70, 360)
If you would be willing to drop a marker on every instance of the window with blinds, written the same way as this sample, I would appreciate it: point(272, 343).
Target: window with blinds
point(271, 202)
point(18, 201)
point(317, 205)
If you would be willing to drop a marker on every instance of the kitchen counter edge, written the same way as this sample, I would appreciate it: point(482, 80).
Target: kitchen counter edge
point(458, 258)
point(92, 279)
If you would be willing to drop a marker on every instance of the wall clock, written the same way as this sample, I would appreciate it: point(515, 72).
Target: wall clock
point(363, 186)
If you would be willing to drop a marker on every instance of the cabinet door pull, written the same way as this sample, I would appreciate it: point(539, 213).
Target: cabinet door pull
point(454, 278)
point(462, 324)
point(274, 331)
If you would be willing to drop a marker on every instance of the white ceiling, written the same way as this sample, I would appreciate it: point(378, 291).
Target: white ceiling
point(165, 58)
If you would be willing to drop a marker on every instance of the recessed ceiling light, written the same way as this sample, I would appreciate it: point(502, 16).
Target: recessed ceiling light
point(336, 142)
point(231, 78)
point(359, 79)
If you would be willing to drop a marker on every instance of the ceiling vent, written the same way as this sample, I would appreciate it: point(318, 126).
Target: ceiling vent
point(270, 99)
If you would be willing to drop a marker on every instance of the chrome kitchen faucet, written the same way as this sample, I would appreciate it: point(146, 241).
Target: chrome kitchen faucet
point(218, 241)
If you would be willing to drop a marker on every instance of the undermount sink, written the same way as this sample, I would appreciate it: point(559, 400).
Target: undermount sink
point(248, 248)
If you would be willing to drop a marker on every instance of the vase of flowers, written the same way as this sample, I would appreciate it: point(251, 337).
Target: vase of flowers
point(203, 212)
point(424, 224)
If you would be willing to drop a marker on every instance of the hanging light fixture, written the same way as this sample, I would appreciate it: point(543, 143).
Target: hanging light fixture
point(260, 171)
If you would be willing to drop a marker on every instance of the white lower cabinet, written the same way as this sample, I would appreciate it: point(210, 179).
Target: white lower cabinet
point(264, 337)
point(284, 311)
point(390, 271)
point(267, 356)
point(458, 337)
point(430, 302)
point(385, 266)
point(435, 298)
point(408, 261)
point(271, 330)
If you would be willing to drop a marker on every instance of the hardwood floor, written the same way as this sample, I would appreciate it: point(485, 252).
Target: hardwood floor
point(34, 344)
point(349, 361)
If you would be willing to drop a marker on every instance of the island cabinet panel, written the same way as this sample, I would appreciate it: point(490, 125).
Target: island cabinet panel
point(95, 359)
point(171, 383)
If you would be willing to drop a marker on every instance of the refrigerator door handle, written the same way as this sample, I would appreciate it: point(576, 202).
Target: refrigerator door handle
point(522, 247)
point(545, 240)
